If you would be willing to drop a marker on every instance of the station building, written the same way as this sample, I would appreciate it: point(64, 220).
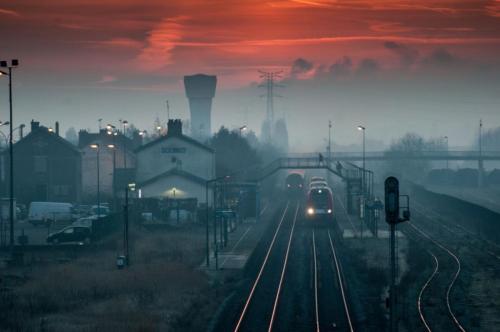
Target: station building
point(174, 166)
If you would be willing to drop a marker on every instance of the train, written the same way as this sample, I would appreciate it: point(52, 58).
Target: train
point(319, 206)
point(294, 185)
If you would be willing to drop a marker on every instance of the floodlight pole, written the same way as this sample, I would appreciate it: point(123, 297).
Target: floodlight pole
point(125, 228)
point(11, 157)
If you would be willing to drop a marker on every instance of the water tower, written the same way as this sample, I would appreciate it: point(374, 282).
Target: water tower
point(200, 89)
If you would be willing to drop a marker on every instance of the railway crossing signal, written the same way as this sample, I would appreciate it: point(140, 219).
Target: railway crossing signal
point(392, 210)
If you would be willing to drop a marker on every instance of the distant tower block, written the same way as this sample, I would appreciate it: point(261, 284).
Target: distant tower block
point(200, 89)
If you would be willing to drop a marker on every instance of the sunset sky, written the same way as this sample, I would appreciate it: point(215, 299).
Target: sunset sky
point(423, 64)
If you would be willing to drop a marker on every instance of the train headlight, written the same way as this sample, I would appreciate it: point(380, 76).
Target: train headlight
point(310, 211)
point(329, 211)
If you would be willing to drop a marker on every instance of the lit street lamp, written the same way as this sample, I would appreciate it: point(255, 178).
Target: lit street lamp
point(112, 132)
point(3, 64)
point(243, 128)
point(97, 147)
point(363, 129)
point(129, 187)
point(124, 124)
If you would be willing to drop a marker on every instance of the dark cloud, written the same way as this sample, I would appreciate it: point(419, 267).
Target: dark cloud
point(301, 66)
point(407, 55)
point(440, 57)
point(367, 67)
point(342, 67)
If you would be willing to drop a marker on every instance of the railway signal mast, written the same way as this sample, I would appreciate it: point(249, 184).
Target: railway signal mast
point(392, 210)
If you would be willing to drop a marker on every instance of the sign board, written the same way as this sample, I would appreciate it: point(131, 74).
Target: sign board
point(173, 150)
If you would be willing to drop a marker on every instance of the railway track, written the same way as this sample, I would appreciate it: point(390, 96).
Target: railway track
point(279, 300)
point(265, 283)
point(330, 297)
point(480, 265)
point(447, 268)
point(490, 248)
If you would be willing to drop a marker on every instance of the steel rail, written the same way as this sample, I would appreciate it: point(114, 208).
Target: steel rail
point(316, 305)
point(283, 270)
point(341, 282)
point(455, 276)
point(256, 282)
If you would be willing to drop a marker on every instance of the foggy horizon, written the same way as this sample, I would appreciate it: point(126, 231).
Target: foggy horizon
point(435, 73)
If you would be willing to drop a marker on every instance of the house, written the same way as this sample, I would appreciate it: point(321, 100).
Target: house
point(46, 167)
point(174, 166)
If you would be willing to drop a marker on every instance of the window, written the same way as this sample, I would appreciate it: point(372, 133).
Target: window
point(69, 231)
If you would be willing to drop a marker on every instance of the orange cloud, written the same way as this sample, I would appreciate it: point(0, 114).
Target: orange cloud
point(9, 12)
point(160, 43)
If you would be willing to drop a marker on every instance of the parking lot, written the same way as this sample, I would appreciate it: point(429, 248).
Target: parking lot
point(36, 235)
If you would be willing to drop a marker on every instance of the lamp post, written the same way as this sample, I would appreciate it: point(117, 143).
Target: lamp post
point(111, 131)
point(363, 185)
point(1, 132)
point(242, 128)
point(363, 129)
point(124, 124)
point(129, 187)
point(97, 147)
point(4, 64)
point(207, 184)
point(329, 143)
point(447, 151)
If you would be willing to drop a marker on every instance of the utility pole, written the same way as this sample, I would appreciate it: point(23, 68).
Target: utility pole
point(480, 160)
point(447, 152)
point(329, 143)
point(168, 111)
point(125, 228)
point(269, 83)
point(13, 64)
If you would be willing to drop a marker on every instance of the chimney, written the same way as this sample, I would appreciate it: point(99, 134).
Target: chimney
point(35, 125)
point(57, 128)
point(21, 134)
point(174, 127)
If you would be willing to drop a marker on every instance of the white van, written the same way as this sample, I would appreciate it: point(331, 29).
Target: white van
point(41, 212)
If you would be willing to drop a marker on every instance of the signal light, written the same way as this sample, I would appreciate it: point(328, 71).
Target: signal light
point(310, 211)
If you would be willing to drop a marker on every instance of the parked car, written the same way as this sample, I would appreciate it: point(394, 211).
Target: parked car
point(42, 212)
point(82, 210)
point(102, 211)
point(85, 221)
point(80, 234)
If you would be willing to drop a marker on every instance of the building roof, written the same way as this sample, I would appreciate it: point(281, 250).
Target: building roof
point(179, 136)
point(86, 138)
point(172, 172)
point(44, 133)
